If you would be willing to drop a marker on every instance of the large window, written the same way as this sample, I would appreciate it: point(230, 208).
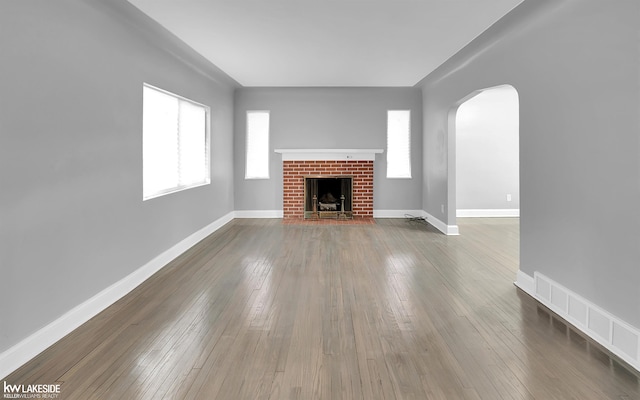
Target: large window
point(175, 143)
point(257, 157)
point(399, 144)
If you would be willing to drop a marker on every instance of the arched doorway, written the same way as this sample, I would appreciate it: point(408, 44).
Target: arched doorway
point(484, 154)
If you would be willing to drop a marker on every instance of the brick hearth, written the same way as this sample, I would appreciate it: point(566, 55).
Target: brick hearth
point(293, 173)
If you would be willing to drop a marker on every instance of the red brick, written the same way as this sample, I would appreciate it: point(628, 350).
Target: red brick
point(293, 184)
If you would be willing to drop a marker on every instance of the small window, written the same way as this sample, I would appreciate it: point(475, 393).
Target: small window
point(175, 143)
point(257, 156)
point(399, 144)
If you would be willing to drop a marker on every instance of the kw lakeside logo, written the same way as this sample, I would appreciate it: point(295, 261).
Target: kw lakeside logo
point(38, 391)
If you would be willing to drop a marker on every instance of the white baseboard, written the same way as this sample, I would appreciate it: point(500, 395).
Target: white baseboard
point(526, 283)
point(396, 213)
point(619, 337)
point(258, 214)
point(451, 230)
point(279, 213)
point(489, 213)
point(14, 357)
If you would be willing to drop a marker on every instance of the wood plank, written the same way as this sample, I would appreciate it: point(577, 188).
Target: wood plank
point(391, 310)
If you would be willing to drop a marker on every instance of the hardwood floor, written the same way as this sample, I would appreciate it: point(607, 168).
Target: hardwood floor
point(393, 310)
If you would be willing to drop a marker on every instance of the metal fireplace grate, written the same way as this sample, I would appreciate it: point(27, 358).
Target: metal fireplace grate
point(328, 196)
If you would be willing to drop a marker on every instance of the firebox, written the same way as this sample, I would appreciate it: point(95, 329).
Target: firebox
point(328, 197)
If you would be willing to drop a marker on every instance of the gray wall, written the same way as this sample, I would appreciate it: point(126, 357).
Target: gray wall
point(72, 219)
point(328, 118)
point(575, 65)
point(486, 152)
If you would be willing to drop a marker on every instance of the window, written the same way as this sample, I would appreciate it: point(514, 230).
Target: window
point(257, 158)
point(175, 143)
point(399, 144)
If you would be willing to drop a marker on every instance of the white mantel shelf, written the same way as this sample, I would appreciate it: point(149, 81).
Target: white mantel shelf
point(328, 154)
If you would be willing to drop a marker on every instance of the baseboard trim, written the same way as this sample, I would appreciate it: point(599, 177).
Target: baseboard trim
point(279, 213)
point(617, 336)
point(488, 213)
point(258, 214)
point(450, 230)
point(526, 283)
point(17, 355)
point(396, 213)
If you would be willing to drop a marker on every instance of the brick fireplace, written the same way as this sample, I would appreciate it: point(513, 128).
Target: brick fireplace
point(298, 164)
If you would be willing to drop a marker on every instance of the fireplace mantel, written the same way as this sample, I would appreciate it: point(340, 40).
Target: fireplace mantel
point(328, 154)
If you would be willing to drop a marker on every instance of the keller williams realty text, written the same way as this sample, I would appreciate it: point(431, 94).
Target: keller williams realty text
point(31, 391)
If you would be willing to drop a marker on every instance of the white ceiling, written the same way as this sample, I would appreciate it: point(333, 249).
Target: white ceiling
point(326, 42)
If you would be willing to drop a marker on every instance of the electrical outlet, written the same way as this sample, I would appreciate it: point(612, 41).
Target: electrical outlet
point(442, 208)
point(508, 197)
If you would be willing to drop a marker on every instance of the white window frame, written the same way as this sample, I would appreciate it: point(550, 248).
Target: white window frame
point(395, 150)
point(150, 193)
point(257, 171)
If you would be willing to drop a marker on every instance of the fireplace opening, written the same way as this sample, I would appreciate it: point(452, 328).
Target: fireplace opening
point(328, 197)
